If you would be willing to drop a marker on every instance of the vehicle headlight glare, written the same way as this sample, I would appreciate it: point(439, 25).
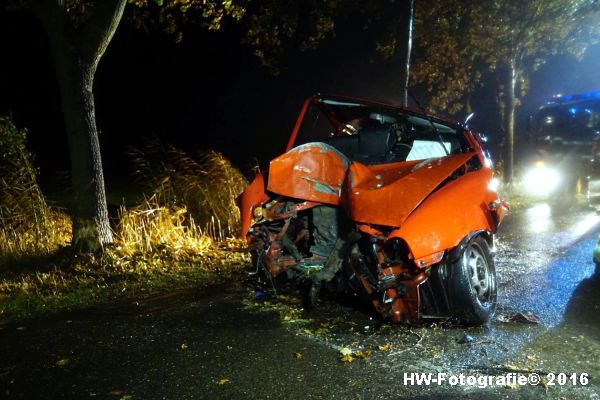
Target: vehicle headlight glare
point(541, 180)
point(494, 184)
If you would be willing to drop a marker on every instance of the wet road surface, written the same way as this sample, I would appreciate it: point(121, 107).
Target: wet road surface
point(224, 343)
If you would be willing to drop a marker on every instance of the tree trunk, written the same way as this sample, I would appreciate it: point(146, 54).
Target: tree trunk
point(91, 229)
point(76, 53)
point(509, 123)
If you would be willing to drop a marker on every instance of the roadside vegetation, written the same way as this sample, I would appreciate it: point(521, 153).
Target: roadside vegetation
point(29, 228)
point(182, 234)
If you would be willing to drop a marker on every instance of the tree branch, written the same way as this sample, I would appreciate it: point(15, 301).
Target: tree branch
point(98, 31)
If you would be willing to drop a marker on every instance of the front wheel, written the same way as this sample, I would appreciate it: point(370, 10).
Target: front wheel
point(472, 285)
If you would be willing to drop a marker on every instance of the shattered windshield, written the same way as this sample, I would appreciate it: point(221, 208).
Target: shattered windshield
point(374, 134)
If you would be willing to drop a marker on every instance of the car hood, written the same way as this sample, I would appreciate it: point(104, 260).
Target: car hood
point(383, 194)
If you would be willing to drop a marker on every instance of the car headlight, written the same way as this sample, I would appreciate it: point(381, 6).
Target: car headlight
point(494, 184)
point(541, 180)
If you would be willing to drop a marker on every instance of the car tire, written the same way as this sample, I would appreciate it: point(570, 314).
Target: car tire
point(472, 288)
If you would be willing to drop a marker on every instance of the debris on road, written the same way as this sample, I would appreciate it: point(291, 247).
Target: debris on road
point(525, 317)
point(465, 339)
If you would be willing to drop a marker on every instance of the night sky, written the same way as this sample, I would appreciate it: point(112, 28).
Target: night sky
point(211, 92)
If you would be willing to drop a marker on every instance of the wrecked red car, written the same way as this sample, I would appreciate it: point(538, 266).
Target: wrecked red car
point(383, 202)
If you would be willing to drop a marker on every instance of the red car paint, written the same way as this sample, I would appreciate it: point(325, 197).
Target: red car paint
point(426, 206)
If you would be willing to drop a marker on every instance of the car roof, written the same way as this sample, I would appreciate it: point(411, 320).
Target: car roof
point(342, 99)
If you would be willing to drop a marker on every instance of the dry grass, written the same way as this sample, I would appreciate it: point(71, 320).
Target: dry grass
point(205, 186)
point(151, 227)
point(181, 235)
point(28, 226)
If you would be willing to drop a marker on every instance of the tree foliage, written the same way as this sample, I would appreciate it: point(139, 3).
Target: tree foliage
point(292, 25)
point(166, 15)
point(275, 28)
point(172, 15)
point(459, 42)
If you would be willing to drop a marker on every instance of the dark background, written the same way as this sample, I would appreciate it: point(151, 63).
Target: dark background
point(210, 92)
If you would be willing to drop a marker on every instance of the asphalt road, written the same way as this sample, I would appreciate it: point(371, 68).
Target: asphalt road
point(223, 343)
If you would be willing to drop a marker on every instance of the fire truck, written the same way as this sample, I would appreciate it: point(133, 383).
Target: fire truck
point(565, 136)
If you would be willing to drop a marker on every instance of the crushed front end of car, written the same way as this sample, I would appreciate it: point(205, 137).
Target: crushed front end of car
point(382, 202)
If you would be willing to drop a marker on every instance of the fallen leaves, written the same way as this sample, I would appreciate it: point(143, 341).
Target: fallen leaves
point(345, 351)
point(119, 393)
point(288, 307)
point(347, 358)
point(184, 346)
point(297, 355)
point(364, 354)
point(385, 347)
point(62, 362)
point(223, 381)
point(348, 355)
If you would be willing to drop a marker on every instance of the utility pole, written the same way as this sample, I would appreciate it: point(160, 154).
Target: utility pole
point(409, 33)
